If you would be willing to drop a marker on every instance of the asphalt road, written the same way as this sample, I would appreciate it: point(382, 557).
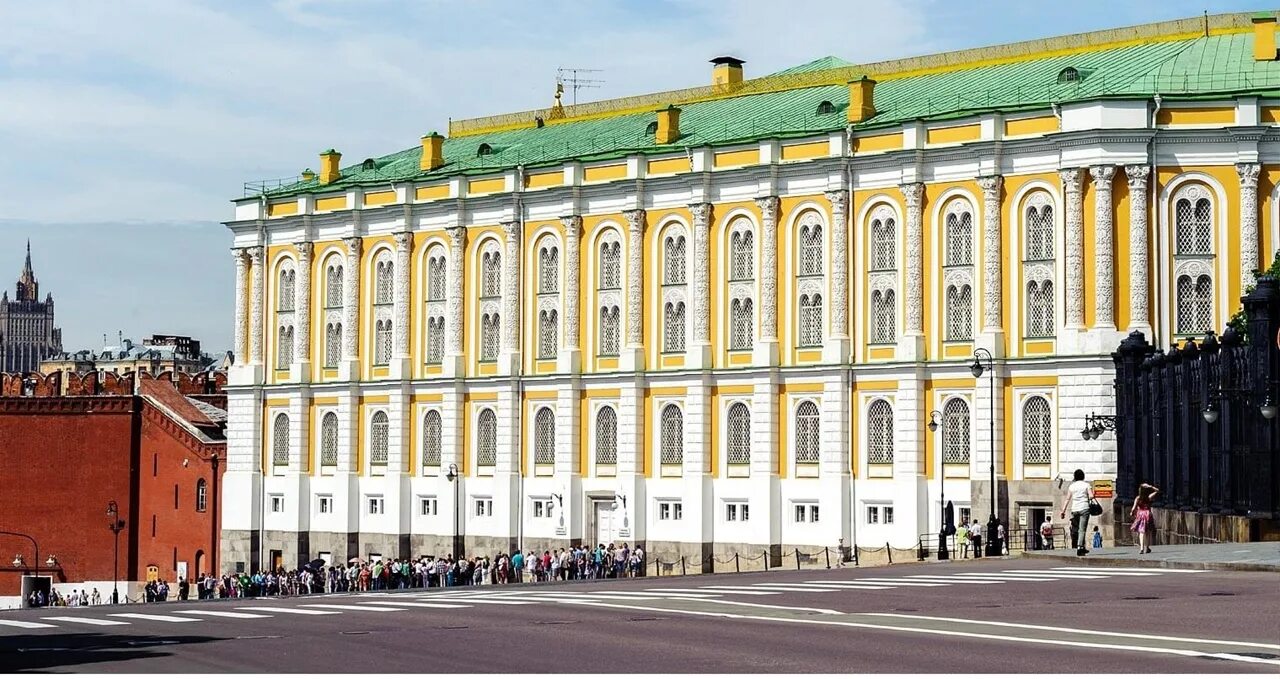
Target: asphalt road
point(1002, 615)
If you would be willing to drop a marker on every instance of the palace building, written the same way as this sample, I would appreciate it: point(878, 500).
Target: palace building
point(720, 319)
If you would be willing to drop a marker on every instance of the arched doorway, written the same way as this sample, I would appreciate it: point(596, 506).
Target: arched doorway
point(200, 571)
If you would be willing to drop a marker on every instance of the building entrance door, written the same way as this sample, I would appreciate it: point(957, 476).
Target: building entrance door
point(603, 516)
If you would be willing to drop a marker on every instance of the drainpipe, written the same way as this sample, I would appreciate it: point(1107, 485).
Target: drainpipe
point(1157, 253)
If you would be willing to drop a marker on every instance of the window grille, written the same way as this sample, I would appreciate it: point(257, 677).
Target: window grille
point(487, 438)
point(491, 274)
point(739, 438)
point(548, 270)
point(1039, 231)
point(673, 327)
point(382, 343)
point(384, 282)
point(609, 331)
point(333, 287)
point(202, 495)
point(284, 347)
point(329, 440)
point(332, 345)
point(742, 253)
point(955, 432)
point(959, 313)
point(437, 275)
point(544, 437)
point(280, 441)
point(1040, 309)
point(883, 317)
point(808, 438)
point(1195, 305)
point(672, 451)
point(811, 249)
point(960, 239)
point(610, 265)
point(379, 430)
point(435, 340)
point(673, 264)
point(883, 243)
point(490, 324)
point(811, 320)
point(741, 335)
point(1194, 226)
point(547, 333)
point(431, 434)
point(286, 290)
point(606, 436)
point(880, 433)
point(1037, 431)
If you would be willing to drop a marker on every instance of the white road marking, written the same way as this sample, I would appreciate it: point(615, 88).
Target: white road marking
point(414, 604)
point(845, 584)
point(25, 624)
point(494, 600)
point(704, 592)
point(354, 607)
point(1126, 635)
point(295, 611)
point(770, 588)
point(225, 614)
point(1067, 574)
point(153, 617)
point(1010, 577)
point(826, 611)
point(1130, 570)
point(902, 582)
point(86, 621)
point(684, 593)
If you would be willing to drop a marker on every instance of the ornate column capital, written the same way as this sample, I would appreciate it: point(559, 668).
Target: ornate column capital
point(912, 194)
point(305, 249)
point(457, 235)
point(1102, 175)
point(404, 240)
point(991, 184)
point(701, 211)
point(1137, 176)
point(512, 228)
point(635, 219)
point(355, 245)
point(571, 223)
point(1248, 174)
point(768, 207)
point(839, 199)
point(1070, 179)
point(255, 255)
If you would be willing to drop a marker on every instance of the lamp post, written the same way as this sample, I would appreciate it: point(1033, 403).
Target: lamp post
point(116, 524)
point(17, 560)
point(936, 420)
point(452, 475)
point(993, 524)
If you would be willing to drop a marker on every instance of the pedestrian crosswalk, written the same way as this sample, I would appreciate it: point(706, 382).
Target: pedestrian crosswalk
point(404, 602)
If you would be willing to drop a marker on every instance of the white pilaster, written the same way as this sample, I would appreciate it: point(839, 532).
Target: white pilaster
point(992, 336)
point(766, 346)
point(349, 368)
point(1104, 319)
point(911, 344)
point(1249, 243)
point(509, 356)
point(400, 308)
point(240, 374)
point(1139, 278)
point(633, 354)
point(699, 354)
point(453, 366)
point(302, 296)
point(256, 301)
point(570, 360)
point(837, 344)
point(1074, 248)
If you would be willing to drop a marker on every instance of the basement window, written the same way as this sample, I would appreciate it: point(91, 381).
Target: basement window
point(826, 107)
point(1069, 75)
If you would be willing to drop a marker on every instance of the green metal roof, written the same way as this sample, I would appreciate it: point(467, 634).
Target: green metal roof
point(1219, 65)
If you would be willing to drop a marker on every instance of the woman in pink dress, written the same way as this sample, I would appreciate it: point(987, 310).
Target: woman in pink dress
point(1141, 512)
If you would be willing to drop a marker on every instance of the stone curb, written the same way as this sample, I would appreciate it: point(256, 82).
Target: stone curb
point(1136, 563)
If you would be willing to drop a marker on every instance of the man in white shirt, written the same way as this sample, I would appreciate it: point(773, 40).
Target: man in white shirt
point(1079, 493)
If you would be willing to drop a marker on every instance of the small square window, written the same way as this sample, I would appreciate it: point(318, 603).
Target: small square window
point(541, 509)
point(743, 510)
point(801, 513)
point(873, 514)
point(484, 507)
point(664, 511)
point(376, 504)
point(813, 513)
point(428, 506)
point(324, 504)
point(677, 511)
point(888, 514)
point(277, 504)
point(966, 516)
point(880, 514)
point(731, 512)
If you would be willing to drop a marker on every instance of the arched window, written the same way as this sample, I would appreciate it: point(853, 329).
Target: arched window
point(955, 432)
point(610, 265)
point(280, 441)
point(672, 423)
point(379, 432)
point(883, 239)
point(742, 253)
point(673, 326)
point(284, 347)
point(431, 435)
point(548, 268)
point(883, 317)
point(286, 290)
point(1037, 431)
point(382, 342)
point(202, 495)
point(1040, 309)
point(1037, 267)
point(384, 279)
point(490, 325)
point(548, 326)
point(811, 320)
point(673, 260)
point(609, 331)
point(487, 438)
point(1039, 219)
point(1193, 213)
point(332, 344)
point(959, 313)
point(437, 276)
point(880, 432)
point(739, 434)
point(333, 285)
point(606, 436)
point(741, 320)
point(329, 440)
point(435, 340)
point(1195, 305)
point(810, 245)
point(959, 234)
point(544, 437)
point(491, 271)
point(808, 436)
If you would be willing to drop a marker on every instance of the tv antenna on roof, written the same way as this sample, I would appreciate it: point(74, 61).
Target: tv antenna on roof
point(570, 77)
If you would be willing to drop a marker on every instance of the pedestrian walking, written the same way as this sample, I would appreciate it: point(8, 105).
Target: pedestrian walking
point(1097, 538)
point(1004, 544)
point(1079, 493)
point(1141, 512)
point(1046, 533)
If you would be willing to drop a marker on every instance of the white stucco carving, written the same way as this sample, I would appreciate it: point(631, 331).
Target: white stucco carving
point(457, 243)
point(400, 340)
point(1073, 254)
point(635, 275)
point(768, 268)
point(241, 350)
point(839, 229)
point(914, 298)
point(302, 297)
point(1104, 247)
point(256, 300)
point(1139, 279)
point(991, 255)
point(572, 256)
point(511, 288)
point(1249, 261)
point(351, 299)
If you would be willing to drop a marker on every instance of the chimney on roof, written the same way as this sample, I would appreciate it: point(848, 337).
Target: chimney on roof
point(308, 175)
point(726, 72)
point(668, 125)
point(862, 104)
point(432, 152)
point(329, 172)
point(1264, 36)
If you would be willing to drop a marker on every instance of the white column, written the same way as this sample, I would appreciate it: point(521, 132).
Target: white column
point(911, 346)
point(241, 346)
point(633, 357)
point(835, 459)
point(256, 300)
point(511, 284)
point(455, 270)
point(992, 293)
point(1249, 262)
point(349, 369)
point(700, 352)
point(302, 295)
point(453, 418)
point(1139, 278)
point(1104, 319)
point(769, 273)
point(570, 345)
point(1074, 248)
point(839, 200)
point(400, 307)
point(908, 462)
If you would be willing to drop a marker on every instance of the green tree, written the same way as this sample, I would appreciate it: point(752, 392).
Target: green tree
point(1239, 320)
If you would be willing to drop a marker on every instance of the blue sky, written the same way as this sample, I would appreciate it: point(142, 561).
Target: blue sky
point(126, 127)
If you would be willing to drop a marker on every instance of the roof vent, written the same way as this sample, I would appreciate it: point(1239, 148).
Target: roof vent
point(369, 164)
point(726, 72)
point(484, 150)
point(538, 121)
point(651, 128)
point(826, 107)
point(1069, 75)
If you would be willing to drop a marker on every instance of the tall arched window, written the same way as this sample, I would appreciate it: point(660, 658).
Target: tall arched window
point(379, 433)
point(490, 271)
point(202, 495)
point(437, 275)
point(384, 279)
point(487, 438)
point(959, 312)
point(811, 320)
point(432, 431)
point(382, 342)
point(606, 436)
point(673, 327)
point(610, 262)
point(880, 432)
point(883, 226)
point(739, 434)
point(435, 340)
point(672, 423)
point(810, 237)
point(958, 270)
point(490, 325)
point(333, 284)
point(437, 282)
point(548, 332)
point(1193, 225)
point(955, 432)
point(884, 238)
point(1193, 266)
point(332, 344)
point(1040, 309)
point(548, 268)
point(280, 441)
point(544, 437)
point(1039, 218)
point(1195, 304)
point(329, 440)
point(674, 278)
point(1037, 431)
point(959, 234)
point(742, 252)
point(673, 260)
point(808, 436)
point(741, 318)
point(287, 292)
point(609, 330)
point(883, 317)
point(1038, 264)
point(284, 347)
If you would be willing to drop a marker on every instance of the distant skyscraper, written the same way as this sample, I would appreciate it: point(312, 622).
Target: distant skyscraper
point(27, 334)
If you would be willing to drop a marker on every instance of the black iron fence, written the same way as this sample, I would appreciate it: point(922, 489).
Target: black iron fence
point(1199, 421)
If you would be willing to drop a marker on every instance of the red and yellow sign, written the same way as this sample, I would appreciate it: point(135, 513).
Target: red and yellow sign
point(1104, 488)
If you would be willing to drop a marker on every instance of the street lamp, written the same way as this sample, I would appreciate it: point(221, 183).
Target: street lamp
point(1095, 424)
point(993, 524)
point(936, 420)
point(452, 476)
point(116, 524)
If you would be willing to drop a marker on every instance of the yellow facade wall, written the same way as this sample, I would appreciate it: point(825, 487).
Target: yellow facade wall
point(668, 165)
point(953, 135)
point(816, 149)
point(331, 203)
point(482, 186)
point(432, 192)
point(542, 180)
point(604, 173)
point(282, 209)
point(1203, 115)
point(879, 142)
point(726, 159)
point(377, 198)
point(1027, 126)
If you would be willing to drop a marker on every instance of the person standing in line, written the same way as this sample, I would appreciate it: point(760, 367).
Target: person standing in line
point(1004, 544)
point(1079, 493)
point(962, 539)
point(1141, 512)
point(975, 534)
point(1097, 538)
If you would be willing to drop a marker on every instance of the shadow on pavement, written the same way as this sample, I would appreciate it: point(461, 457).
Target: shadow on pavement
point(45, 651)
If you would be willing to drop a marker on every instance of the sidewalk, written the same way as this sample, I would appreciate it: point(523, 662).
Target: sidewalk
point(1238, 556)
